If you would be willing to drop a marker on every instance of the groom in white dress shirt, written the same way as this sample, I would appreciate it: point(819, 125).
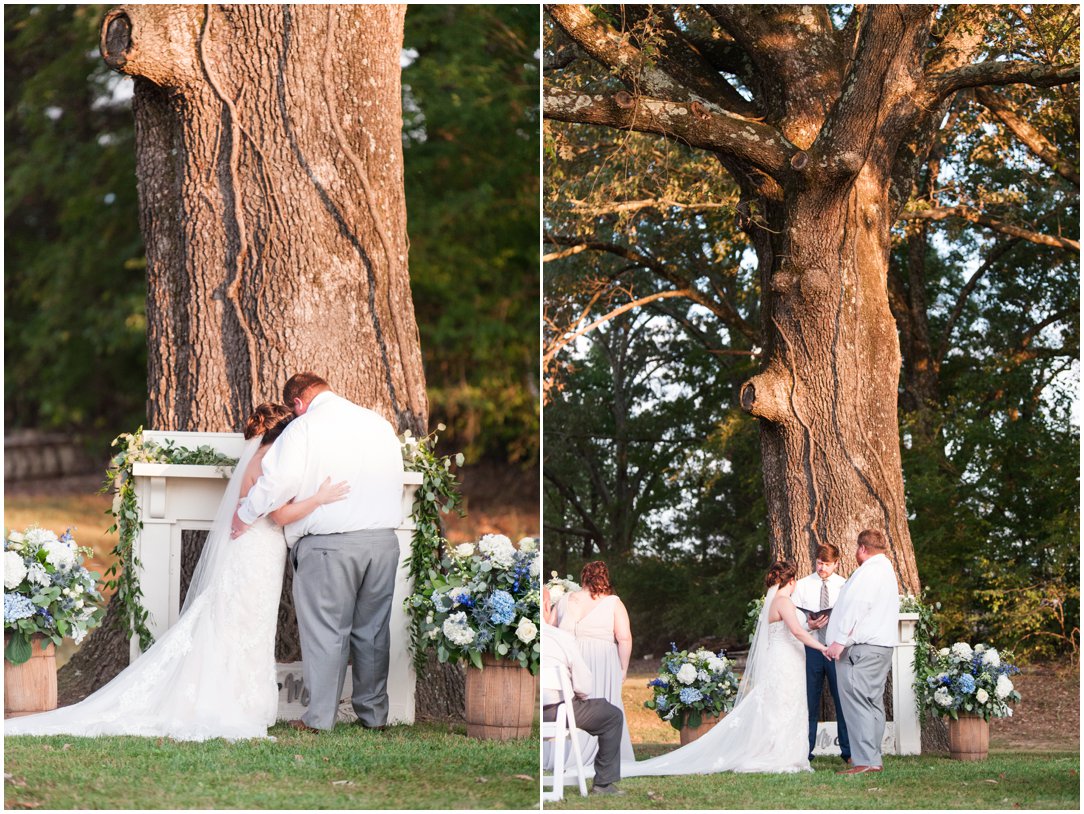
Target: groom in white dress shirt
point(344, 554)
point(818, 591)
point(863, 629)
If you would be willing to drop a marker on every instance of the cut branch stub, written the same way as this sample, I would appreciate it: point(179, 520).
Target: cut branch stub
point(765, 396)
point(116, 39)
point(624, 99)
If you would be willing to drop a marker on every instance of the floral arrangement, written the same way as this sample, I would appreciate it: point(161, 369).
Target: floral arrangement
point(124, 573)
point(484, 599)
point(47, 591)
point(559, 586)
point(966, 679)
point(691, 685)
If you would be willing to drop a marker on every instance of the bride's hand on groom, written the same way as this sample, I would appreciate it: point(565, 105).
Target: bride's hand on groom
point(332, 492)
point(833, 652)
point(237, 527)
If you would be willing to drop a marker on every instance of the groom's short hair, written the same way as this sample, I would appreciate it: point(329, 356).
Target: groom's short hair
point(828, 553)
point(298, 384)
point(873, 539)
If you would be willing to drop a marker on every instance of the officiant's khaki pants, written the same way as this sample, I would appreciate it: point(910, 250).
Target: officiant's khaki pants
point(343, 588)
point(861, 673)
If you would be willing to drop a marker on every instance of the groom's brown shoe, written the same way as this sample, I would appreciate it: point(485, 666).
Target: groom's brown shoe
point(860, 770)
point(301, 726)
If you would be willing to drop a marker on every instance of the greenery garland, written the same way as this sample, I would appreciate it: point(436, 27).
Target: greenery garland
point(123, 574)
point(438, 495)
point(926, 630)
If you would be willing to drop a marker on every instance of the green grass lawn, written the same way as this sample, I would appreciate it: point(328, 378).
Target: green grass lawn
point(1006, 780)
point(421, 766)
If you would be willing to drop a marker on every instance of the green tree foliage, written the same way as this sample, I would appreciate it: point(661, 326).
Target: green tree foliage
point(471, 135)
point(990, 445)
point(74, 328)
point(74, 272)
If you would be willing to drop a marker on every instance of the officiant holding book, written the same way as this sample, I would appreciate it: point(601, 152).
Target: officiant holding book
point(813, 594)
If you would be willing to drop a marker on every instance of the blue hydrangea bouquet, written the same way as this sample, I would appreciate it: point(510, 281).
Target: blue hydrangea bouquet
point(969, 680)
point(484, 600)
point(47, 591)
point(692, 685)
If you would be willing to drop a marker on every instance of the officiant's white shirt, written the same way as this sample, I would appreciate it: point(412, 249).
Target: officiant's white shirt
point(807, 594)
point(868, 608)
point(338, 439)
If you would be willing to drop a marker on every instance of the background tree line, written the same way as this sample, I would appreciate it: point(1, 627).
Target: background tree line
point(75, 323)
point(653, 321)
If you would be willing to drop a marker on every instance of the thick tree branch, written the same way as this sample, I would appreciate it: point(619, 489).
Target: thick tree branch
point(1028, 135)
point(874, 91)
point(720, 308)
point(1009, 72)
point(971, 216)
point(758, 144)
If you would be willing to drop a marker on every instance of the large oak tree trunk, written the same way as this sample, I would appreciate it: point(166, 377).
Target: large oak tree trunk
point(827, 394)
point(270, 177)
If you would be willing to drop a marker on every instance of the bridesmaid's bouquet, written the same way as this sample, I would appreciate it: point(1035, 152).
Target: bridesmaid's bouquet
point(485, 601)
point(969, 680)
point(47, 591)
point(692, 685)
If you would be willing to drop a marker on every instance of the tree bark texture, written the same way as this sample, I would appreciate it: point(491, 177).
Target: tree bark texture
point(270, 173)
point(825, 144)
point(270, 178)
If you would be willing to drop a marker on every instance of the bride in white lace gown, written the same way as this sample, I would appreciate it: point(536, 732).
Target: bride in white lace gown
point(212, 674)
point(768, 731)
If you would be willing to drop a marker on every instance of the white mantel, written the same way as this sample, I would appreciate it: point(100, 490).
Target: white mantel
point(175, 498)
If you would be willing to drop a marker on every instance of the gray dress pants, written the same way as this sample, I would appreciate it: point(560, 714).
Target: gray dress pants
point(343, 587)
point(861, 672)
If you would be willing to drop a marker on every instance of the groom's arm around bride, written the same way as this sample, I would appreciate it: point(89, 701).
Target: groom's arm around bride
point(345, 554)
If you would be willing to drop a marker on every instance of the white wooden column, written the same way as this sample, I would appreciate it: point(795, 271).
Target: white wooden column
point(174, 498)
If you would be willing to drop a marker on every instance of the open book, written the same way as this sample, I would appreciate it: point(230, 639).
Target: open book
point(815, 615)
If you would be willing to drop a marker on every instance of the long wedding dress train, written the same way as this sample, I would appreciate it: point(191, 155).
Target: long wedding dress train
point(211, 675)
point(768, 731)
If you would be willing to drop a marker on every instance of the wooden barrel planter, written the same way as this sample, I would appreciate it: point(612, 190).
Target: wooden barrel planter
point(500, 700)
point(690, 733)
point(969, 738)
point(31, 686)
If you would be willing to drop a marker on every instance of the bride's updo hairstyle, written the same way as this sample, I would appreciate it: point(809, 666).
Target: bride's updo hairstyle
point(781, 572)
point(268, 420)
point(595, 577)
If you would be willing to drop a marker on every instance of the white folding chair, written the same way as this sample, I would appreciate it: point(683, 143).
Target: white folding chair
point(560, 731)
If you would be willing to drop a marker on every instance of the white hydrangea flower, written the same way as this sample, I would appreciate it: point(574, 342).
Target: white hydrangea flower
point(464, 550)
point(40, 536)
point(536, 567)
point(498, 548)
point(14, 569)
point(458, 630)
point(992, 658)
point(943, 697)
point(944, 651)
point(979, 648)
point(59, 555)
point(526, 630)
point(982, 696)
point(528, 544)
point(1004, 686)
point(962, 650)
point(716, 665)
point(687, 674)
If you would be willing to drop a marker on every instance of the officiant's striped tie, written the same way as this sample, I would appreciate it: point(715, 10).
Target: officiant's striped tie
point(822, 633)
